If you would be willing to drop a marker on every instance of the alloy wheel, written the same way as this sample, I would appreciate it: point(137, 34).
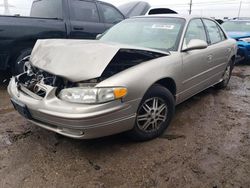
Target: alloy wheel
point(151, 114)
point(227, 73)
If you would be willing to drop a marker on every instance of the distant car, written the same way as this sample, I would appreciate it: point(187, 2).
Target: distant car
point(139, 8)
point(134, 8)
point(160, 10)
point(241, 18)
point(240, 31)
point(129, 80)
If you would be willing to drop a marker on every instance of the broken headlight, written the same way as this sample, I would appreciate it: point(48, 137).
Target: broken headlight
point(92, 95)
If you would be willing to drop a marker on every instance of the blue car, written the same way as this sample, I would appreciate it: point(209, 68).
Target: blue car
point(240, 31)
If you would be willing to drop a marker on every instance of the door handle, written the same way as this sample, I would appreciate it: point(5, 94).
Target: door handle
point(229, 50)
point(78, 28)
point(210, 58)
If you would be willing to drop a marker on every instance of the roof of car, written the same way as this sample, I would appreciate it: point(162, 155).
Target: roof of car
point(186, 17)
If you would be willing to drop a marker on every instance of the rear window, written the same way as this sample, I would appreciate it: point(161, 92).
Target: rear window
point(46, 9)
point(111, 15)
point(84, 11)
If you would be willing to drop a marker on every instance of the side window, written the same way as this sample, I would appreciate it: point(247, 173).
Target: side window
point(111, 15)
point(47, 9)
point(222, 34)
point(195, 30)
point(213, 31)
point(84, 11)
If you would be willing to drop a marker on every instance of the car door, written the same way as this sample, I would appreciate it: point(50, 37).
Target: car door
point(85, 20)
point(219, 48)
point(195, 62)
point(110, 14)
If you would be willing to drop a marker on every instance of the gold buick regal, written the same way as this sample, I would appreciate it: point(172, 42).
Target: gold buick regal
point(128, 80)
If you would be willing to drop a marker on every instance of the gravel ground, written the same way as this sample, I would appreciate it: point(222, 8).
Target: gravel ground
point(207, 145)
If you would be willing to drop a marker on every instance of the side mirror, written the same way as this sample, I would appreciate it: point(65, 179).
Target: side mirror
point(195, 44)
point(98, 36)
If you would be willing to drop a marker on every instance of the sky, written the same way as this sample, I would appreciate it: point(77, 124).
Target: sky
point(210, 8)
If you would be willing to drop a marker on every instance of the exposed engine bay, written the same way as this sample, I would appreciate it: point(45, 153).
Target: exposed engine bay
point(34, 79)
point(126, 58)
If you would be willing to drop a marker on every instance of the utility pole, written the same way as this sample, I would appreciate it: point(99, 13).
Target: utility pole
point(239, 10)
point(6, 7)
point(190, 6)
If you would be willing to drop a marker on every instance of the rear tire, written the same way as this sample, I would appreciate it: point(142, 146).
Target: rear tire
point(226, 76)
point(18, 65)
point(154, 114)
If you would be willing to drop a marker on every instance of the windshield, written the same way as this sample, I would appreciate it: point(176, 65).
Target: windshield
point(157, 33)
point(241, 26)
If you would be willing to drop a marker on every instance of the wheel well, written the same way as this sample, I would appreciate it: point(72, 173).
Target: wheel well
point(16, 51)
point(19, 46)
point(168, 83)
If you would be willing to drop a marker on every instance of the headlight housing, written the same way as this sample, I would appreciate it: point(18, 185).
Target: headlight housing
point(245, 39)
point(92, 95)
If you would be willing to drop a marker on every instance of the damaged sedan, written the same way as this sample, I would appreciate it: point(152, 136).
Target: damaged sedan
point(130, 80)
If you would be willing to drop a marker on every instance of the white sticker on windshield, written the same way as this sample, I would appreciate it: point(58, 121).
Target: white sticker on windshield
point(248, 23)
point(158, 26)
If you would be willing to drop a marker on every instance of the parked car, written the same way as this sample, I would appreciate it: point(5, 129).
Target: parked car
point(76, 19)
point(240, 31)
point(134, 8)
point(241, 18)
point(139, 8)
point(160, 10)
point(130, 79)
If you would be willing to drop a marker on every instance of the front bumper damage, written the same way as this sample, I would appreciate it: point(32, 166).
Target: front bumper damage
point(78, 121)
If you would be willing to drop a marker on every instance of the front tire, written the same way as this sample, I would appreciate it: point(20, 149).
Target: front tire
point(154, 114)
point(18, 65)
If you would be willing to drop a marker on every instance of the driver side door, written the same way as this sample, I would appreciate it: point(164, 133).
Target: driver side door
point(195, 63)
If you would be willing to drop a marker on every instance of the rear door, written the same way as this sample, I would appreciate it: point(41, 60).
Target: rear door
point(220, 49)
point(195, 62)
point(85, 19)
point(110, 14)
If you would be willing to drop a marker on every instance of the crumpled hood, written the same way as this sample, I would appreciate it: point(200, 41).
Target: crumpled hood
point(238, 35)
point(76, 60)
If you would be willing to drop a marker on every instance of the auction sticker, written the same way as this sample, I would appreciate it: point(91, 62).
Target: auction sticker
point(162, 26)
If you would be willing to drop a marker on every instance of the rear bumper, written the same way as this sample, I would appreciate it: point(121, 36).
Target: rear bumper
point(77, 120)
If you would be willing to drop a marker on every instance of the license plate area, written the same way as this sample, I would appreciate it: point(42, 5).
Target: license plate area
point(21, 108)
